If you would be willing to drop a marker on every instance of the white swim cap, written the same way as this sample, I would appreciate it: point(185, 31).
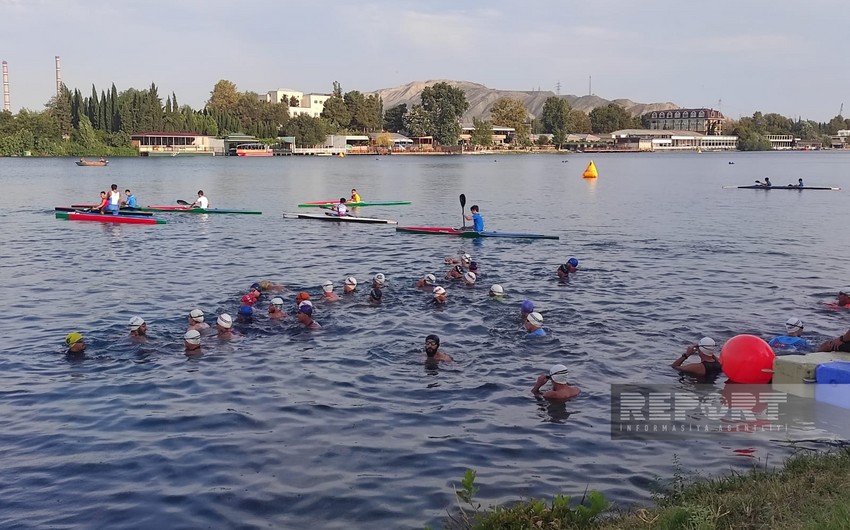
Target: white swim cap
point(535, 319)
point(707, 346)
point(380, 278)
point(136, 322)
point(496, 290)
point(327, 286)
point(793, 324)
point(277, 302)
point(469, 277)
point(430, 279)
point(466, 258)
point(558, 374)
point(224, 320)
point(439, 291)
point(351, 281)
point(193, 336)
point(197, 315)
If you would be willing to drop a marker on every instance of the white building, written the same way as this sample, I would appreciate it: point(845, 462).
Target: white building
point(309, 104)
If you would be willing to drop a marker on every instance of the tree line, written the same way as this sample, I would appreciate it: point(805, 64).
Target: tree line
point(102, 123)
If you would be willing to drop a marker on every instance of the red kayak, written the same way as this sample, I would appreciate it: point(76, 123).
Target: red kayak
point(109, 218)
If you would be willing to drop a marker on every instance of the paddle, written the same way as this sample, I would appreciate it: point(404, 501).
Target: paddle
point(463, 209)
point(181, 202)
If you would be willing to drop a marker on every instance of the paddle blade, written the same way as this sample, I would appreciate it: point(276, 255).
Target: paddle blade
point(462, 207)
point(181, 202)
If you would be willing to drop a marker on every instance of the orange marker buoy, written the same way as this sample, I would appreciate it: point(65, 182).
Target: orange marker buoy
point(590, 172)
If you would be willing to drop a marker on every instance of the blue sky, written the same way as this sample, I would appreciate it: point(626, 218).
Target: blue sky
point(773, 56)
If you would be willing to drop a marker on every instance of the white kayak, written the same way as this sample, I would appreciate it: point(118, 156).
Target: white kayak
point(329, 216)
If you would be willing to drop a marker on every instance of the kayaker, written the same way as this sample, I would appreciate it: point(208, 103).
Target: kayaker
point(130, 199)
point(840, 343)
point(355, 197)
point(477, 220)
point(571, 265)
point(75, 342)
point(708, 366)
point(526, 309)
point(138, 328)
point(224, 326)
point(192, 342)
point(341, 209)
point(440, 295)
point(104, 202)
point(561, 390)
point(428, 281)
point(376, 295)
point(792, 341)
point(766, 183)
point(350, 285)
point(305, 316)
point(328, 291)
point(196, 320)
point(534, 325)
point(202, 202)
point(114, 200)
point(276, 308)
point(800, 183)
point(433, 352)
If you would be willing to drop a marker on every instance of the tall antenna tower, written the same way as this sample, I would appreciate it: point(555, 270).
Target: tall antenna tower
point(58, 76)
point(7, 101)
point(558, 88)
point(590, 85)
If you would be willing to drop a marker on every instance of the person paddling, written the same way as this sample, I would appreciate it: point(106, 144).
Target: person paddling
point(203, 202)
point(341, 209)
point(355, 197)
point(476, 218)
point(104, 202)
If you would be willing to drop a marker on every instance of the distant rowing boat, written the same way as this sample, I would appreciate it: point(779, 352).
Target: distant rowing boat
point(434, 230)
point(793, 187)
point(322, 204)
point(92, 162)
point(335, 218)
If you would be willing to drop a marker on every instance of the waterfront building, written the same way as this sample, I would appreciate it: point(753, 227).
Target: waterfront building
point(501, 135)
point(702, 120)
point(779, 142)
point(670, 140)
point(309, 104)
point(177, 143)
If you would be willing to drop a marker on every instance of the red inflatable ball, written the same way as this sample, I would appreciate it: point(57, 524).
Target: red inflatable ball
point(747, 359)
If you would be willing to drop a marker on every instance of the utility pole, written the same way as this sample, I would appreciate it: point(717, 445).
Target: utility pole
point(590, 85)
point(558, 87)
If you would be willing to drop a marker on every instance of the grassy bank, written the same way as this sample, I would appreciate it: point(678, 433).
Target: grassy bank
point(810, 491)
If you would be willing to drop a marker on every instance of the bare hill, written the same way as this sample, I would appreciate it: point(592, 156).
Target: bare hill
point(481, 99)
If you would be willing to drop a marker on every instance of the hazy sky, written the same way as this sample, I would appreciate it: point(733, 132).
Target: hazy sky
point(783, 56)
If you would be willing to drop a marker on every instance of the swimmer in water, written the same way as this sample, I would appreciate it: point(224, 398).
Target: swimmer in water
point(534, 325)
point(570, 266)
point(196, 320)
point(75, 342)
point(192, 342)
point(561, 390)
point(328, 291)
point(276, 309)
point(432, 350)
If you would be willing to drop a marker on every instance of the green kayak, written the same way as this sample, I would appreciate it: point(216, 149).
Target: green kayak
point(184, 209)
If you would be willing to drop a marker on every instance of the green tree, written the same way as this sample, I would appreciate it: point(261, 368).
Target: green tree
point(751, 140)
point(59, 108)
point(308, 131)
point(85, 135)
point(556, 119)
point(482, 134)
point(418, 122)
point(293, 102)
point(835, 124)
point(394, 118)
point(610, 118)
point(444, 104)
point(510, 112)
point(579, 122)
point(223, 97)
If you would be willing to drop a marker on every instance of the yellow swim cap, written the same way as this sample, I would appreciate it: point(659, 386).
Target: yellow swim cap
point(73, 338)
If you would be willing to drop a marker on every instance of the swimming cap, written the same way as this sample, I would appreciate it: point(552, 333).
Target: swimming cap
point(459, 269)
point(224, 320)
point(255, 286)
point(305, 308)
point(306, 302)
point(351, 281)
point(247, 299)
point(793, 324)
point(473, 266)
point(300, 297)
point(430, 279)
point(496, 290)
point(573, 262)
point(527, 306)
point(558, 374)
point(376, 294)
point(73, 338)
point(439, 291)
point(136, 322)
point(707, 346)
point(380, 278)
point(535, 319)
point(246, 310)
point(469, 277)
point(197, 315)
point(466, 258)
point(327, 286)
point(193, 336)
point(277, 302)
point(433, 338)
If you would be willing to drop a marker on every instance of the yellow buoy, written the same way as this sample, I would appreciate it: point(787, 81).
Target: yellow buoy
point(590, 172)
point(341, 154)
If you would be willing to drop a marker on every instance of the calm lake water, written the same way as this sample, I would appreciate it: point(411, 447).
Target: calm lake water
point(345, 427)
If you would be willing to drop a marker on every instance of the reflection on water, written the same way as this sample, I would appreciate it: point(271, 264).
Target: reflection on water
point(273, 428)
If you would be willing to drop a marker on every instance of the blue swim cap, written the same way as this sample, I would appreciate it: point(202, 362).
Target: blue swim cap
point(246, 311)
point(527, 306)
point(573, 262)
point(307, 309)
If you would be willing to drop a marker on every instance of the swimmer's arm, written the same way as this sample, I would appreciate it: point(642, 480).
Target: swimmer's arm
point(541, 380)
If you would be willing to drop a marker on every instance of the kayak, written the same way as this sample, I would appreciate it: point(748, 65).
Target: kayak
point(123, 211)
point(788, 187)
point(320, 204)
point(345, 219)
point(109, 218)
point(186, 209)
point(469, 233)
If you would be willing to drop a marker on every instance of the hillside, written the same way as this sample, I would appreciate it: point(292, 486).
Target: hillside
point(481, 99)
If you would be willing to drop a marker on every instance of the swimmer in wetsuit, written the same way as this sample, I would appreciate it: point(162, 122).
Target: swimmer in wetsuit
point(708, 366)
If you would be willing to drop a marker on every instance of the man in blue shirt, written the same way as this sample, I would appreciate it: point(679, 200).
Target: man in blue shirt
point(792, 341)
point(477, 220)
point(534, 325)
point(130, 199)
